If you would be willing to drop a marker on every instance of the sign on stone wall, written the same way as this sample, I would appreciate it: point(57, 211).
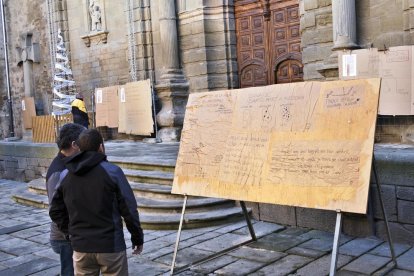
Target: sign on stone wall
point(394, 66)
point(106, 102)
point(135, 108)
point(306, 144)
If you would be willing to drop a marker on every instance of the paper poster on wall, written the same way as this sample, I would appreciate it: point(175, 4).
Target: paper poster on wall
point(299, 144)
point(135, 109)
point(106, 107)
point(394, 67)
point(28, 110)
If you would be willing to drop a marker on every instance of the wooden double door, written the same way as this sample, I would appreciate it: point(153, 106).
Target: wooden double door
point(268, 42)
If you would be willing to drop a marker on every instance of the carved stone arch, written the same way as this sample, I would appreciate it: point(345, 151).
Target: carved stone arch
point(288, 68)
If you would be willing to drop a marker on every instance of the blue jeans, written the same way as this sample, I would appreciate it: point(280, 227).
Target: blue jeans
point(64, 249)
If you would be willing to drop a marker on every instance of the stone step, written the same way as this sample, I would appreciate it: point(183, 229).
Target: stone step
point(191, 220)
point(200, 212)
point(158, 191)
point(150, 190)
point(194, 204)
point(152, 177)
point(131, 163)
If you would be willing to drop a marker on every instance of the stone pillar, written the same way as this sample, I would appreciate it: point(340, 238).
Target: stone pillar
point(344, 24)
point(172, 87)
point(29, 53)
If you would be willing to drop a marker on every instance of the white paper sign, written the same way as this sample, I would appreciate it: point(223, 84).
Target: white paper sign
point(349, 65)
point(123, 99)
point(99, 96)
point(23, 105)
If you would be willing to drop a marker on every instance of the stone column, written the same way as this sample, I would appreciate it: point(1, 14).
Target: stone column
point(172, 87)
point(344, 24)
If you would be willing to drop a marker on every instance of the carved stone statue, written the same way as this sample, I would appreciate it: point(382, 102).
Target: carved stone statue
point(95, 15)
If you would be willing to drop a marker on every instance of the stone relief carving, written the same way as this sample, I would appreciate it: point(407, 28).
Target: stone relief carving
point(95, 15)
point(95, 27)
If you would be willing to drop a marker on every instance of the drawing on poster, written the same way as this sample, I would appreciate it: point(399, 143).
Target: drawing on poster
point(302, 144)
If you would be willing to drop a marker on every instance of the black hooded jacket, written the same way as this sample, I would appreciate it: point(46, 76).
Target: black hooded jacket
point(90, 200)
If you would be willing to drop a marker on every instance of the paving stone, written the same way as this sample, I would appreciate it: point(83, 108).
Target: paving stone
point(19, 260)
point(30, 267)
point(5, 256)
point(294, 231)
point(322, 265)
point(19, 246)
point(139, 266)
point(384, 249)
point(185, 235)
point(284, 266)
point(406, 260)
point(367, 264)
point(212, 265)
point(318, 244)
point(256, 254)
point(317, 234)
point(154, 245)
point(24, 234)
point(358, 247)
point(231, 227)
point(278, 242)
point(398, 272)
point(306, 252)
point(260, 228)
point(41, 239)
point(221, 242)
point(159, 252)
point(198, 239)
point(349, 273)
point(16, 228)
point(240, 267)
point(48, 253)
point(53, 271)
point(184, 257)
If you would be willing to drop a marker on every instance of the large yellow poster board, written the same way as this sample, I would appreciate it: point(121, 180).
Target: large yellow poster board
point(304, 144)
point(135, 108)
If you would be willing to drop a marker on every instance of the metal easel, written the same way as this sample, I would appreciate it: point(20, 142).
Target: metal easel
point(338, 227)
point(215, 255)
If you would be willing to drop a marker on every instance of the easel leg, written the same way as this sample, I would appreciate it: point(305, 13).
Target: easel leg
point(248, 221)
point(387, 227)
point(177, 242)
point(334, 259)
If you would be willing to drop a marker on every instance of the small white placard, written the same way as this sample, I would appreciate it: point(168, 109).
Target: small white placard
point(349, 65)
point(23, 105)
point(123, 99)
point(99, 96)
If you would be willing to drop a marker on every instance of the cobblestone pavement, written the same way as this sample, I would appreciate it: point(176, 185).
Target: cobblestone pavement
point(25, 250)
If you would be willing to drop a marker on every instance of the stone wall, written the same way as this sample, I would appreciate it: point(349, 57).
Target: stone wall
point(102, 63)
point(208, 44)
point(23, 161)
point(24, 16)
point(4, 123)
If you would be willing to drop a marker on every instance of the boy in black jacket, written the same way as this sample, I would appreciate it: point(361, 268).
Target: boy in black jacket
point(89, 204)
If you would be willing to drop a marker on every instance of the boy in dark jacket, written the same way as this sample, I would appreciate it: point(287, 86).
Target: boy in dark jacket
point(89, 204)
point(68, 134)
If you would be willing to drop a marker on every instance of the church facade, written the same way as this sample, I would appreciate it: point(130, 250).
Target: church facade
point(190, 46)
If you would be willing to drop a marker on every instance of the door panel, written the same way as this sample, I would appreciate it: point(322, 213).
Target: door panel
point(268, 42)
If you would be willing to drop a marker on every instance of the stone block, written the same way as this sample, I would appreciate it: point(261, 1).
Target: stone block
point(215, 25)
point(194, 55)
point(195, 69)
point(213, 265)
point(315, 53)
point(402, 233)
point(367, 264)
point(306, 252)
point(405, 193)
point(219, 66)
point(278, 242)
point(406, 211)
point(243, 267)
point(390, 202)
point(310, 71)
point(255, 254)
point(284, 266)
point(309, 20)
point(357, 247)
point(192, 42)
point(384, 249)
point(324, 19)
point(310, 4)
point(218, 39)
point(278, 213)
point(316, 219)
point(321, 266)
point(405, 261)
point(324, 3)
point(317, 36)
